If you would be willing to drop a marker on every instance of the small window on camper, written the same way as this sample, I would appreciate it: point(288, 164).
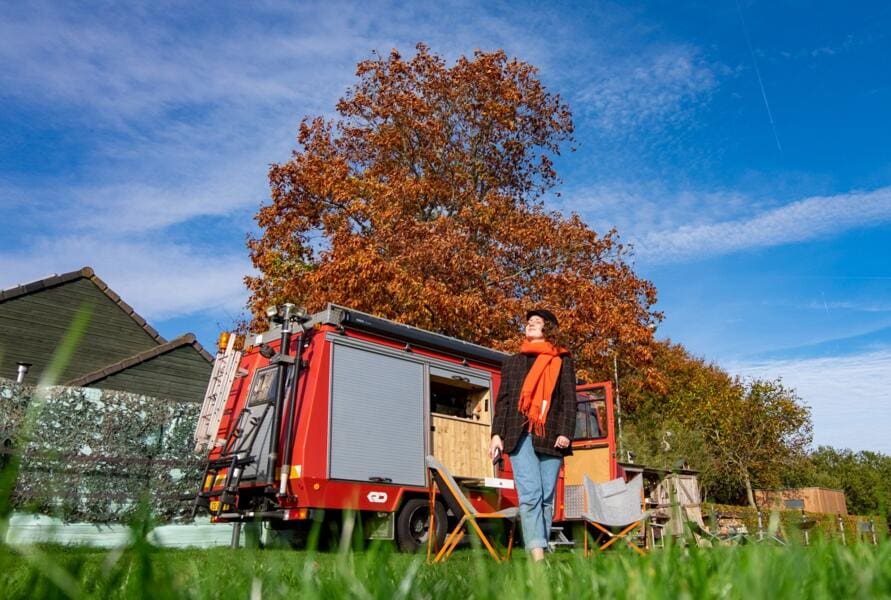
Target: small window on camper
point(455, 395)
point(590, 415)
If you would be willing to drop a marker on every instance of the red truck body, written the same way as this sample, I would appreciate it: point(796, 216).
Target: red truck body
point(364, 400)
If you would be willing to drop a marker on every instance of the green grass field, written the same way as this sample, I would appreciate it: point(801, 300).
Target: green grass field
point(825, 570)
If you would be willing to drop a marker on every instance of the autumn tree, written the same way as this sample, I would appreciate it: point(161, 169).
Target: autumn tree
point(423, 201)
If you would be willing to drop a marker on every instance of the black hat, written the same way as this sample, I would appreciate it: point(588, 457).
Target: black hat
point(544, 314)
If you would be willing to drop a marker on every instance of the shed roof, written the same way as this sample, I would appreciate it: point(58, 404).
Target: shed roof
point(141, 357)
point(84, 273)
point(116, 348)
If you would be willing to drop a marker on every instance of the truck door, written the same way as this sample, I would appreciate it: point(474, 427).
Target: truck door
point(377, 415)
point(259, 409)
point(593, 446)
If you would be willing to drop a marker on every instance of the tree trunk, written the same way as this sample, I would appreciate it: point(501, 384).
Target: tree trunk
point(749, 495)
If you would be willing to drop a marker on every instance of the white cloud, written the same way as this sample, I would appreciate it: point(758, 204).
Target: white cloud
point(132, 207)
point(669, 226)
point(638, 209)
point(158, 280)
point(850, 396)
point(130, 64)
point(808, 219)
point(174, 122)
point(646, 89)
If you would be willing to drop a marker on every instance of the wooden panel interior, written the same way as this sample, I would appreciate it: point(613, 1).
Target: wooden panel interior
point(460, 419)
point(461, 445)
point(593, 462)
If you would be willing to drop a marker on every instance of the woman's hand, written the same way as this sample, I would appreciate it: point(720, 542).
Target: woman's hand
point(562, 442)
point(494, 443)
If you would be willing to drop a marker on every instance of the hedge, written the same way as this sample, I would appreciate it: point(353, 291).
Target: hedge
point(95, 455)
point(825, 526)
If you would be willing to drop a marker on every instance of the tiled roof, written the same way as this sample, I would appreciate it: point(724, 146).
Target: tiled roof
point(146, 355)
point(85, 273)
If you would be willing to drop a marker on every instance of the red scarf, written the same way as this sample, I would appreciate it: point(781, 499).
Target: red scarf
point(538, 387)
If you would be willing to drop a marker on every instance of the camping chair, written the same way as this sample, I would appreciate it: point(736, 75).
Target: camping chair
point(458, 503)
point(867, 531)
point(614, 505)
point(702, 534)
point(804, 524)
point(769, 534)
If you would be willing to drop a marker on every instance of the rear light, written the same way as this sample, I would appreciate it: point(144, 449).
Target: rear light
point(223, 341)
point(297, 514)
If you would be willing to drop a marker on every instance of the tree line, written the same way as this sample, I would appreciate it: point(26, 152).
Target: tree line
point(423, 200)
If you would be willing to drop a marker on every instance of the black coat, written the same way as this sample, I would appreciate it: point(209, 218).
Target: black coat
point(510, 423)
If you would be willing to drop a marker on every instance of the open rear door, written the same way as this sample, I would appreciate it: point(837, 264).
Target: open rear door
point(593, 445)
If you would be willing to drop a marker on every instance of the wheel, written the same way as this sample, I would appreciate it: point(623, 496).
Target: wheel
point(413, 524)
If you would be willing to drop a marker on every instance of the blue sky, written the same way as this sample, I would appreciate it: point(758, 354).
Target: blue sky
point(741, 147)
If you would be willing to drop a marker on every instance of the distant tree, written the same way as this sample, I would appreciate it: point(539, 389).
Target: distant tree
point(759, 432)
point(422, 202)
point(676, 383)
point(865, 477)
point(665, 442)
point(738, 434)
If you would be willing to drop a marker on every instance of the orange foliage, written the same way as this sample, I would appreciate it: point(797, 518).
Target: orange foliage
point(422, 202)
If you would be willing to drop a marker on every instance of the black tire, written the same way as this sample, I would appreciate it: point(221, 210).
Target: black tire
point(413, 524)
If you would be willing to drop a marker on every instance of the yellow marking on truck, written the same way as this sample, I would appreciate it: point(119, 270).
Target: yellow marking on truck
point(296, 470)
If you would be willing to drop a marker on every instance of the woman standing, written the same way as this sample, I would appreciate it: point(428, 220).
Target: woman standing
point(534, 420)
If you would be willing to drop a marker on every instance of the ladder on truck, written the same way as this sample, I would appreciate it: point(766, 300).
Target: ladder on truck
point(235, 457)
point(225, 368)
point(237, 451)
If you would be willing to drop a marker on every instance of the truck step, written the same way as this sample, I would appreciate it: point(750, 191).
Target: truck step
point(559, 539)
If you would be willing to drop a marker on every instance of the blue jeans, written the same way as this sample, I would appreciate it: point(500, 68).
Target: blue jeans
point(535, 476)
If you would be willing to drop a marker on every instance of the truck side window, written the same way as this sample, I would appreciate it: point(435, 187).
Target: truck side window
point(590, 415)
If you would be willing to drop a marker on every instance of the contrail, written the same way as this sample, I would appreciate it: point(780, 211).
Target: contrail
point(758, 73)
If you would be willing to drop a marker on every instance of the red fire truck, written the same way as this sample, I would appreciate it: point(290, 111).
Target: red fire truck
point(336, 411)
